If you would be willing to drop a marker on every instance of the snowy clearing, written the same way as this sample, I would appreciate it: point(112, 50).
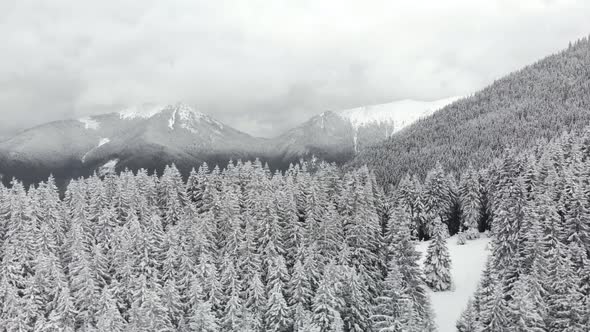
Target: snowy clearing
point(467, 263)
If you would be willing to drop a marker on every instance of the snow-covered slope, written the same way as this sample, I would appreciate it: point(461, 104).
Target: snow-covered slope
point(468, 262)
point(339, 135)
point(397, 114)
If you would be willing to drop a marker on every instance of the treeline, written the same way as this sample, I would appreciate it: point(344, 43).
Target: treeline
point(534, 104)
point(239, 249)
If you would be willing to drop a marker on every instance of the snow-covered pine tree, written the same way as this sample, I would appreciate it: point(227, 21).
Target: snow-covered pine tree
point(326, 306)
point(468, 321)
point(470, 199)
point(277, 315)
point(437, 265)
point(108, 315)
point(201, 316)
point(403, 250)
point(387, 315)
point(438, 198)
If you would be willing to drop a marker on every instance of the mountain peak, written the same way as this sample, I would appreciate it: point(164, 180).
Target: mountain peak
point(180, 113)
point(142, 111)
point(149, 110)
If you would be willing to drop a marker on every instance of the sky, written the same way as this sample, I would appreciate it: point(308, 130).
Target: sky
point(264, 66)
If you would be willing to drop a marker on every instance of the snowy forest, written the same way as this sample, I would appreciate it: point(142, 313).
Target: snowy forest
point(295, 166)
point(310, 249)
point(234, 250)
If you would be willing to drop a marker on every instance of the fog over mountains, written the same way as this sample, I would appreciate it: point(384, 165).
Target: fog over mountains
point(151, 136)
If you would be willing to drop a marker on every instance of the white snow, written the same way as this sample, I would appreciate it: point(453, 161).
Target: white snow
point(111, 163)
point(182, 114)
point(399, 114)
point(89, 123)
point(467, 264)
point(103, 141)
point(143, 111)
point(190, 119)
point(108, 167)
point(172, 120)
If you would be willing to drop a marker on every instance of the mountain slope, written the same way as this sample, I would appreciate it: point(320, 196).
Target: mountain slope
point(141, 137)
point(339, 135)
point(535, 103)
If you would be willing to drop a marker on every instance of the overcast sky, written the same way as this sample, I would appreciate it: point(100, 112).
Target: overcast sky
point(264, 66)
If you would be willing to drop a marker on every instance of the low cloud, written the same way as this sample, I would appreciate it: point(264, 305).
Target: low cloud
point(264, 66)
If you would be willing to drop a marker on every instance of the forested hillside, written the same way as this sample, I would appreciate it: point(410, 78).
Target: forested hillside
point(538, 275)
point(536, 103)
point(241, 249)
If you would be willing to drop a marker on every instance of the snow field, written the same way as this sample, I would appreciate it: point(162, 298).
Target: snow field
point(467, 264)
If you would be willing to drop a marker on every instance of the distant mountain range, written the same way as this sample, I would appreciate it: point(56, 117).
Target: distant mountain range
point(152, 136)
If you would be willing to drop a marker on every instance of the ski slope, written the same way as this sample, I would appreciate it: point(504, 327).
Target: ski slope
point(468, 262)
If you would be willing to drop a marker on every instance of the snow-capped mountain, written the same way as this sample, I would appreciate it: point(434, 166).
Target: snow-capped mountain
point(151, 136)
point(147, 136)
point(339, 135)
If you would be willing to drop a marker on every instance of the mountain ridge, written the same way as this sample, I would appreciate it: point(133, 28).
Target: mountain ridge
point(152, 135)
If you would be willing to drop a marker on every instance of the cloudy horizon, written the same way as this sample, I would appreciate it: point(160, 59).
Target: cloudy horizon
point(259, 66)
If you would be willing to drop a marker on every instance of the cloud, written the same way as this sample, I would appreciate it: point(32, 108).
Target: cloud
point(264, 66)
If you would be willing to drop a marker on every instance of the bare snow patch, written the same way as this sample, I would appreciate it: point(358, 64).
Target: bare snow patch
point(89, 123)
point(467, 264)
point(399, 114)
point(143, 111)
point(108, 167)
point(172, 120)
point(103, 141)
point(111, 163)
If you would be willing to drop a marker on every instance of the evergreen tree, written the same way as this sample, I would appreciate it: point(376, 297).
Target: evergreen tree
point(277, 312)
point(470, 198)
point(437, 266)
point(468, 321)
point(387, 314)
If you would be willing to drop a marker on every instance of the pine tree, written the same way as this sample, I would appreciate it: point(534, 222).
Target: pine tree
point(108, 316)
point(437, 198)
point(299, 287)
point(357, 299)
point(387, 314)
point(526, 314)
point(277, 312)
point(63, 316)
point(497, 320)
point(202, 318)
point(233, 310)
point(403, 250)
point(326, 305)
point(437, 266)
point(470, 199)
point(468, 321)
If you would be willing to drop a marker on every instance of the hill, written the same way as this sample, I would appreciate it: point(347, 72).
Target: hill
point(533, 104)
